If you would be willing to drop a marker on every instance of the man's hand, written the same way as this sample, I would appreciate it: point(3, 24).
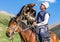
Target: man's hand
point(35, 24)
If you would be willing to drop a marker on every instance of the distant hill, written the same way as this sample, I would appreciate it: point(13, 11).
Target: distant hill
point(4, 18)
point(6, 13)
point(53, 25)
point(55, 28)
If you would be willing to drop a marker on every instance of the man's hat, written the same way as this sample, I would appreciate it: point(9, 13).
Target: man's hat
point(46, 4)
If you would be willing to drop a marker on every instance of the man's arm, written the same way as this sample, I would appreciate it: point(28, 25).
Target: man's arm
point(45, 20)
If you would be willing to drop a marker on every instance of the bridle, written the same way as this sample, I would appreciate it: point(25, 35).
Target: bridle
point(13, 30)
point(17, 26)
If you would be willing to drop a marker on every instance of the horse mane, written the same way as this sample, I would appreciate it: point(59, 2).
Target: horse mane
point(20, 11)
point(20, 22)
point(34, 14)
point(23, 24)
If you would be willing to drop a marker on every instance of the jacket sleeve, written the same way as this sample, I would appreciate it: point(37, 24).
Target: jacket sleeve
point(45, 20)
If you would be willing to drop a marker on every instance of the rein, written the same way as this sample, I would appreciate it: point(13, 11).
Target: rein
point(19, 28)
point(12, 38)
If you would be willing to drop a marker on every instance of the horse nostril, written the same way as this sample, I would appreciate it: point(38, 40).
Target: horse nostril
point(8, 34)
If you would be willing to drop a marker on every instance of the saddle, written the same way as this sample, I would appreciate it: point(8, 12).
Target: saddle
point(46, 37)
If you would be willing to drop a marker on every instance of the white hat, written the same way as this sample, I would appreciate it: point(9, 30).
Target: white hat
point(46, 4)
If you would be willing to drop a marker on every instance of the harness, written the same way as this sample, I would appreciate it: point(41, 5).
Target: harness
point(13, 29)
point(17, 26)
point(13, 32)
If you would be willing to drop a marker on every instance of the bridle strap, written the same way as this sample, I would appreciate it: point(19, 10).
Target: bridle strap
point(19, 27)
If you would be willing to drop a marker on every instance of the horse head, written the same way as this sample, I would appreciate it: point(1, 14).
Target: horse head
point(12, 27)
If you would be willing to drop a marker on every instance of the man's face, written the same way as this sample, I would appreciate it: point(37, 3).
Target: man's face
point(42, 7)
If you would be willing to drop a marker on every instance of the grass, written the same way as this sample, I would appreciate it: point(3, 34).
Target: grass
point(3, 37)
point(59, 40)
point(4, 19)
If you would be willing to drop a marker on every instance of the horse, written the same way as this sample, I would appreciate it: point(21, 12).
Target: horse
point(26, 35)
point(20, 27)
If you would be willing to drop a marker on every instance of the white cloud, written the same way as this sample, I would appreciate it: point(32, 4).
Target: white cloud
point(51, 1)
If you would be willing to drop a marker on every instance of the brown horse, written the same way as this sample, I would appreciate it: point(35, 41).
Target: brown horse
point(27, 35)
point(15, 26)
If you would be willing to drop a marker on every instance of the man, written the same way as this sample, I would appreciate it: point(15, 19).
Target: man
point(42, 20)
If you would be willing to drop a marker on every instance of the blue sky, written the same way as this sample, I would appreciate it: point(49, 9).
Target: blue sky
point(14, 6)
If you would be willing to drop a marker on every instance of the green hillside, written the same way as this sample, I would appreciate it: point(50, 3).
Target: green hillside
point(4, 19)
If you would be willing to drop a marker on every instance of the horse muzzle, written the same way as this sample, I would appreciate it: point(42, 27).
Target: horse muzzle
point(8, 34)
